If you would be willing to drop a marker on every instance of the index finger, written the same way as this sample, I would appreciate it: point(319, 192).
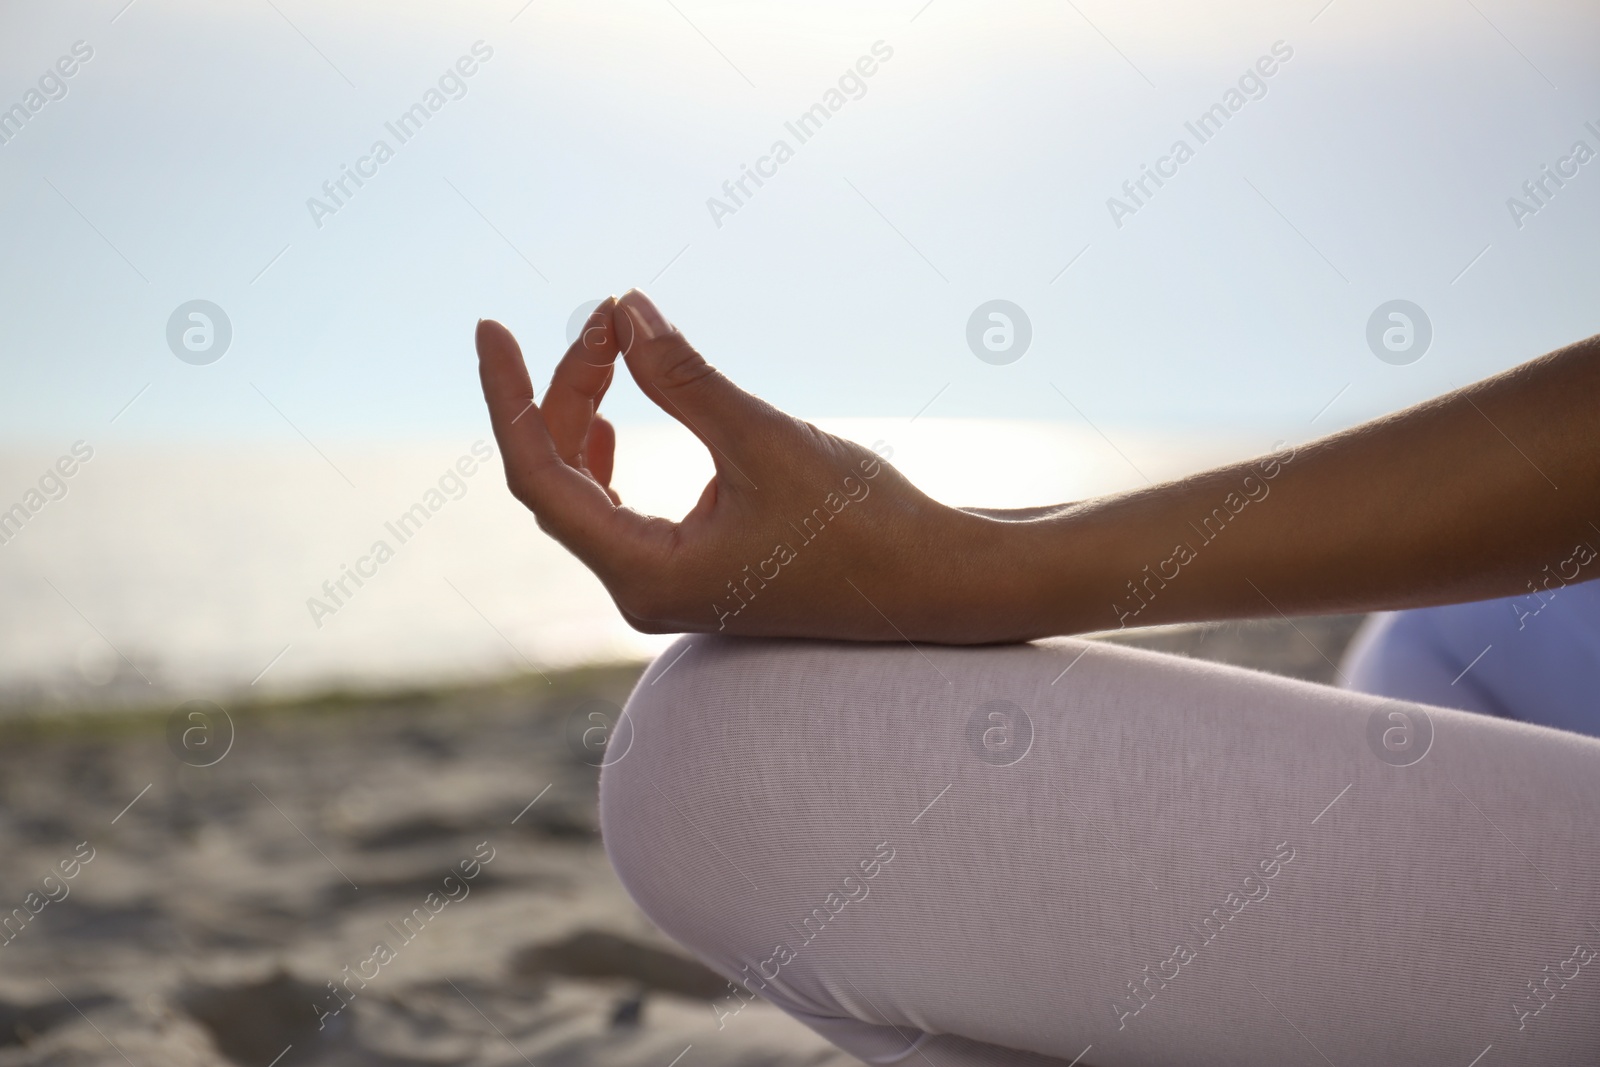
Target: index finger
point(580, 381)
point(569, 504)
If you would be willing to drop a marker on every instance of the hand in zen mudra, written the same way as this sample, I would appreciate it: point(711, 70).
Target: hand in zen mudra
point(803, 534)
point(798, 533)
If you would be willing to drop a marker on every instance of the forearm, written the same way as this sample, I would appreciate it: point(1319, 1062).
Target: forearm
point(1467, 496)
point(800, 533)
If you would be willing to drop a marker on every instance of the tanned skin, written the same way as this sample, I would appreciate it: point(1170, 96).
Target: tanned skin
point(1464, 497)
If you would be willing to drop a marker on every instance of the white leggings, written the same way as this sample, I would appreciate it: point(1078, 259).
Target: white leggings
point(1069, 851)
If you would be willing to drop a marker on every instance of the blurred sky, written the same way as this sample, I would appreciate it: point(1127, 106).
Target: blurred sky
point(976, 166)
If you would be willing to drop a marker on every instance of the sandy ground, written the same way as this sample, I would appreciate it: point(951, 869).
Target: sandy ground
point(217, 903)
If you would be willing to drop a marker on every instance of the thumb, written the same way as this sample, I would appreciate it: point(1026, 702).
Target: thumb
point(678, 380)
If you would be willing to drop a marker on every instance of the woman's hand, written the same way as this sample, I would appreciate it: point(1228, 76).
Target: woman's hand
point(799, 533)
point(802, 534)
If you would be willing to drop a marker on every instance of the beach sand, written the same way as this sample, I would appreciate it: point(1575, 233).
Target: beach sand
point(221, 900)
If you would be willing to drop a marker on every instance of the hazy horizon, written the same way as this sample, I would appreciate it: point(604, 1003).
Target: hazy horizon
point(158, 571)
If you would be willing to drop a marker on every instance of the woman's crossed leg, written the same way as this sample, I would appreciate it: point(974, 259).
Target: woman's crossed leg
point(1073, 852)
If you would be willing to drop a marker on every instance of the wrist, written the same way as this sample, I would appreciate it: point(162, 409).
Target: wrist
point(1017, 579)
point(1069, 571)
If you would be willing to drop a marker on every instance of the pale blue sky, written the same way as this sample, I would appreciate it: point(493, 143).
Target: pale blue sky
point(977, 164)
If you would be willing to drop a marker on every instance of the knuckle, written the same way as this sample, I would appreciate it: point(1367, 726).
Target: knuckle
point(682, 367)
point(519, 490)
point(798, 433)
point(546, 527)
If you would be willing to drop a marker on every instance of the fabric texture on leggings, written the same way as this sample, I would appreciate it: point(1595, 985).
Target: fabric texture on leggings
point(1534, 658)
point(1063, 851)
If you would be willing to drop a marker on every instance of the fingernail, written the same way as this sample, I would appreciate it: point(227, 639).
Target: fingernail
point(645, 316)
